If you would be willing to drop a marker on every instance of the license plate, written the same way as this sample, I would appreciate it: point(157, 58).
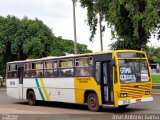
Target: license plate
point(138, 100)
point(126, 102)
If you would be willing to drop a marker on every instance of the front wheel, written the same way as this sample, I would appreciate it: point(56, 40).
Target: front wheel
point(92, 101)
point(31, 98)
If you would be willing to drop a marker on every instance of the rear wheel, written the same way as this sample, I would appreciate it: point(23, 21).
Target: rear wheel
point(31, 98)
point(92, 101)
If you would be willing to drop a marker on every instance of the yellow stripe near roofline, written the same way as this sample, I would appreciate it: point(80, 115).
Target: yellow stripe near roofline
point(44, 90)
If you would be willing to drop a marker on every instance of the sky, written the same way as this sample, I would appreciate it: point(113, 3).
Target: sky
point(58, 15)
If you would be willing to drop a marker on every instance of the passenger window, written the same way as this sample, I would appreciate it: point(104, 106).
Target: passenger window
point(50, 69)
point(66, 68)
point(12, 74)
point(33, 73)
point(27, 74)
point(27, 68)
point(83, 66)
point(12, 71)
point(48, 65)
point(37, 69)
point(12, 67)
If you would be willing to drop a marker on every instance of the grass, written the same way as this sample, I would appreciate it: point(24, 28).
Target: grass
point(155, 78)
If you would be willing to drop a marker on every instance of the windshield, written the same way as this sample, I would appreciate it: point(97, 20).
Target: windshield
point(133, 71)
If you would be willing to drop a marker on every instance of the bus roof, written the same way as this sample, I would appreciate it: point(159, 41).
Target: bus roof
point(72, 55)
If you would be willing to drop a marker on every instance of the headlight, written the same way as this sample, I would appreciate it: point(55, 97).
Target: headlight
point(123, 95)
point(147, 92)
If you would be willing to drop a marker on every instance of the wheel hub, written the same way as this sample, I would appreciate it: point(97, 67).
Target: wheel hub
point(93, 101)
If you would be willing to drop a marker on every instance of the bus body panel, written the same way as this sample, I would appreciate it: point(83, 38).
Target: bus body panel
point(83, 84)
point(69, 90)
point(13, 88)
point(51, 89)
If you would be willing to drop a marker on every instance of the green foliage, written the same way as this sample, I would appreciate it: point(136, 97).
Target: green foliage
point(153, 53)
point(132, 21)
point(23, 38)
point(61, 47)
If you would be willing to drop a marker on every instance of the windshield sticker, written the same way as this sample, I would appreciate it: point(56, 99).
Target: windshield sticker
point(126, 75)
point(144, 77)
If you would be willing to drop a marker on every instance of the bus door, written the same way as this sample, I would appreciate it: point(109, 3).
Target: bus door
point(104, 78)
point(20, 76)
point(106, 82)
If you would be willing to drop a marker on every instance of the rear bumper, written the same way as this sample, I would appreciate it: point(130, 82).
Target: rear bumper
point(132, 101)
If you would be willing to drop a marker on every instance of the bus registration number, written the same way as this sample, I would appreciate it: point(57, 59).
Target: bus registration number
point(126, 102)
point(138, 100)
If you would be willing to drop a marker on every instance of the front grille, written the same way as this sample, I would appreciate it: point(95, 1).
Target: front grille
point(135, 91)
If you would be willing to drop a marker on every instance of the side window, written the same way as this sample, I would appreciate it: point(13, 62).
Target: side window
point(66, 68)
point(50, 69)
point(12, 71)
point(83, 66)
point(37, 69)
point(144, 71)
point(27, 68)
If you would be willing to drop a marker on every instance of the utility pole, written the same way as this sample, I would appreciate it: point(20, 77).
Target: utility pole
point(74, 25)
point(100, 29)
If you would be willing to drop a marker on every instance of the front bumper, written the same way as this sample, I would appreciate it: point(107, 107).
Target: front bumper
point(132, 101)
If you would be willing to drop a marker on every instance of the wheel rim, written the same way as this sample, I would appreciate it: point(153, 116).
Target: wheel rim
point(31, 99)
point(93, 101)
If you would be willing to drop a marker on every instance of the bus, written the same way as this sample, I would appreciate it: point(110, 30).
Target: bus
point(116, 78)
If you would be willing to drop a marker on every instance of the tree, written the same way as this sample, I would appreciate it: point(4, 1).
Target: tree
point(61, 47)
point(23, 38)
point(153, 53)
point(131, 21)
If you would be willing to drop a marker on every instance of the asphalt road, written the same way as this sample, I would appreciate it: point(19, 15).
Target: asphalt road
point(19, 109)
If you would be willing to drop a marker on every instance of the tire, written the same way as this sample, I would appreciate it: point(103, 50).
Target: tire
point(31, 98)
point(92, 102)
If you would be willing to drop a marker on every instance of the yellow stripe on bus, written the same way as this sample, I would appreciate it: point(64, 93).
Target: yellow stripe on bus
point(44, 90)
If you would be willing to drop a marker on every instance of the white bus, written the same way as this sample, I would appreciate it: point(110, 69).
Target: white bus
point(117, 78)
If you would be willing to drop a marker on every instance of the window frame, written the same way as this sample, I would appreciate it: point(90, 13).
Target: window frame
point(82, 67)
point(9, 71)
point(62, 68)
point(45, 69)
